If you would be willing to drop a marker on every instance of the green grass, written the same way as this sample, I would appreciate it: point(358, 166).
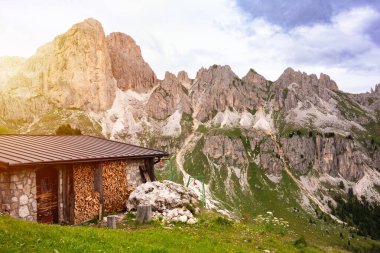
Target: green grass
point(211, 234)
point(377, 188)
point(202, 129)
point(196, 162)
point(169, 171)
point(50, 121)
point(5, 130)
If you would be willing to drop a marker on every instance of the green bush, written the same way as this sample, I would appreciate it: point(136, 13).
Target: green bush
point(66, 129)
point(300, 242)
point(223, 221)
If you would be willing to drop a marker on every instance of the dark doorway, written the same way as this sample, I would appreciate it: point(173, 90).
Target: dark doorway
point(47, 195)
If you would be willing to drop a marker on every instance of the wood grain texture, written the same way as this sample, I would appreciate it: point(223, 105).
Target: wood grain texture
point(115, 187)
point(86, 199)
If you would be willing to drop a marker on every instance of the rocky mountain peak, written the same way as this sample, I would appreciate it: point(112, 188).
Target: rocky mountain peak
point(89, 24)
point(305, 80)
point(128, 66)
point(74, 70)
point(326, 81)
point(168, 97)
point(377, 89)
point(216, 74)
point(183, 77)
point(255, 78)
point(170, 76)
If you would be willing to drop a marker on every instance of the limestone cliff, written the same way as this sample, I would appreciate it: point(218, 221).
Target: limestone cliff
point(128, 67)
point(74, 70)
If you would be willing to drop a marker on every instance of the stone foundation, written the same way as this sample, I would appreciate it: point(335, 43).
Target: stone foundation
point(19, 194)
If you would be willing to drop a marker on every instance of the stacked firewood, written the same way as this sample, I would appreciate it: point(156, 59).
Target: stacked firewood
point(115, 192)
point(87, 200)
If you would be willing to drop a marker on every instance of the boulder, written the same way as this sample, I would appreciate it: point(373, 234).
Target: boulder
point(169, 201)
point(162, 196)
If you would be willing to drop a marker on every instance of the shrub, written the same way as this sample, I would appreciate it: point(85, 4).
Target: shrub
point(66, 129)
point(300, 242)
point(223, 221)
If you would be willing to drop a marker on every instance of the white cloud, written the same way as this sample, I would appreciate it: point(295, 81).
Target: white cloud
point(176, 35)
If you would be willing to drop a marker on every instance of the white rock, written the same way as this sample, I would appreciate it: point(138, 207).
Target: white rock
point(191, 221)
point(23, 211)
point(24, 199)
point(183, 218)
point(14, 199)
point(165, 195)
point(34, 205)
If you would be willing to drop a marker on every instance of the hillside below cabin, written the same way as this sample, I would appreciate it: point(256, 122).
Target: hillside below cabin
point(69, 179)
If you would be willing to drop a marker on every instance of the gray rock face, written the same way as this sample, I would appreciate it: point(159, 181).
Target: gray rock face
point(369, 99)
point(268, 159)
point(334, 156)
point(169, 96)
point(224, 149)
point(293, 86)
point(218, 89)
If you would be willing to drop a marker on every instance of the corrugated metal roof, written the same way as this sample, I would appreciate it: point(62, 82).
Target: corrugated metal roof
point(17, 150)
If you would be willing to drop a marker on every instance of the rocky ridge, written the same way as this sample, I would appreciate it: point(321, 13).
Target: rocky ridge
point(326, 135)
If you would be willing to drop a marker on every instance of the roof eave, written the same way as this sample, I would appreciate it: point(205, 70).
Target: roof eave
point(85, 160)
point(4, 165)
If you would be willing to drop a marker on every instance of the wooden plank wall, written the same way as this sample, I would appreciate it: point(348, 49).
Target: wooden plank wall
point(66, 195)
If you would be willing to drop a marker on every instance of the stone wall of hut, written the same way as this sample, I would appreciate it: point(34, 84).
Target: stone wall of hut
point(19, 194)
point(133, 173)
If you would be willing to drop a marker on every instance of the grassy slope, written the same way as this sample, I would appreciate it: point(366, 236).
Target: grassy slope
point(50, 121)
point(211, 234)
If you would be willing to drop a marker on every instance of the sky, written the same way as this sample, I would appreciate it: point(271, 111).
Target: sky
point(340, 38)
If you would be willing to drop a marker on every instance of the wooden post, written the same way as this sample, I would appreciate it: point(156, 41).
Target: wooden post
point(111, 222)
point(61, 218)
point(144, 214)
point(100, 218)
